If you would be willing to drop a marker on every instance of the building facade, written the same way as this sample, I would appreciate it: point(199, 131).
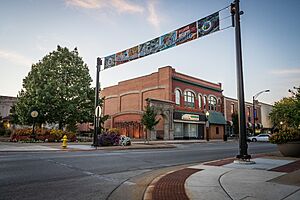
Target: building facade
point(6, 102)
point(182, 102)
point(265, 112)
point(262, 111)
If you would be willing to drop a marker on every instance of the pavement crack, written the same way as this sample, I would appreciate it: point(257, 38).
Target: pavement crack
point(219, 180)
point(291, 194)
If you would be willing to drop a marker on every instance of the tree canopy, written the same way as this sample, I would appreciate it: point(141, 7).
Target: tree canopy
point(287, 110)
point(58, 87)
point(149, 118)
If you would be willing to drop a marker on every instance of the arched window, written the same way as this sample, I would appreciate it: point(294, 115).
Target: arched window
point(204, 102)
point(200, 101)
point(212, 103)
point(177, 96)
point(189, 99)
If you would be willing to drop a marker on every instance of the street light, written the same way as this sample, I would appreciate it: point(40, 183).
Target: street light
point(34, 115)
point(207, 125)
point(253, 102)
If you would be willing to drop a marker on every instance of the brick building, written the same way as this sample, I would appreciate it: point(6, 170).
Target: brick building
point(231, 106)
point(181, 99)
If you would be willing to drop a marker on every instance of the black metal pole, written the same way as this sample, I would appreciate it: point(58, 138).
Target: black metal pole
point(253, 101)
point(33, 125)
point(99, 63)
point(240, 87)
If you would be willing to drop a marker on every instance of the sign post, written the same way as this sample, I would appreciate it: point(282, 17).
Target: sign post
point(243, 154)
point(96, 126)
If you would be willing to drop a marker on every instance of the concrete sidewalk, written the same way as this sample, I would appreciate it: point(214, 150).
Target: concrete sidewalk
point(86, 146)
point(271, 177)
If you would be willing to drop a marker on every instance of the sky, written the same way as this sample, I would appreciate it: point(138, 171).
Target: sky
point(30, 29)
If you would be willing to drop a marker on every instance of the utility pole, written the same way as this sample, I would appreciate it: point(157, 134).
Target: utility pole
point(95, 141)
point(243, 154)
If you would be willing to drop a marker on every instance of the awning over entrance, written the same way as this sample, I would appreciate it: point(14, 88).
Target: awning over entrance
point(216, 118)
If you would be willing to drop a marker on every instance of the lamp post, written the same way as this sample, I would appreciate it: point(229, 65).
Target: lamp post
point(34, 115)
point(207, 125)
point(254, 112)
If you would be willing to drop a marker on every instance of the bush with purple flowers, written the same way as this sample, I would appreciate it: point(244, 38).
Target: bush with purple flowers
point(109, 139)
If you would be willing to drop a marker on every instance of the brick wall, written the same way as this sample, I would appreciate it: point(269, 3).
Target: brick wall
point(129, 96)
point(227, 105)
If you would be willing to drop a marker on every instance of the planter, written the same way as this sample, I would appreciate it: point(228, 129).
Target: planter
point(291, 149)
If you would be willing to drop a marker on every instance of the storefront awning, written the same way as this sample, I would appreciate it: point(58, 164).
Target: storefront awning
point(216, 118)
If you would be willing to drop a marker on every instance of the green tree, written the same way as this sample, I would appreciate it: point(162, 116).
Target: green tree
point(149, 118)
point(58, 87)
point(287, 111)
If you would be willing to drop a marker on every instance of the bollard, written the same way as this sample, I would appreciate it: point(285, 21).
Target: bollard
point(64, 142)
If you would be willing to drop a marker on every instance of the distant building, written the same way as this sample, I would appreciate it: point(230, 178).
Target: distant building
point(183, 101)
point(6, 102)
point(265, 112)
point(261, 115)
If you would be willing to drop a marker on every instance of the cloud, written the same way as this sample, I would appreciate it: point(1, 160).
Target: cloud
point(126, 7)
point(87, 4)
point(289, 71)
point(15, 58)
point(120, 6)
point(153, 17)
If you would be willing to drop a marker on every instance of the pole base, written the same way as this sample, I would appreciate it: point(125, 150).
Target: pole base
point(244, 162)
point(243, 159)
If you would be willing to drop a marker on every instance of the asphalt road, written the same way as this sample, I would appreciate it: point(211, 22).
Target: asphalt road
point(96, 174)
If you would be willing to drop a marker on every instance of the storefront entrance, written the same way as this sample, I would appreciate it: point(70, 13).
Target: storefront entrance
point(188, 131)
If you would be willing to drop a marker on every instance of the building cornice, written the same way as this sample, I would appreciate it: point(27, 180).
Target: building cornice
point(196, 84)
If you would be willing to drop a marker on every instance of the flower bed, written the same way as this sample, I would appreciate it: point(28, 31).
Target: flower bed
point(41, 135)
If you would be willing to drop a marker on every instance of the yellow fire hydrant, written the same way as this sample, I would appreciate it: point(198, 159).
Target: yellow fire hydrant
point(64, 142)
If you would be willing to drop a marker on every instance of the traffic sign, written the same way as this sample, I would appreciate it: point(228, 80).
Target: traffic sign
point(98, 111)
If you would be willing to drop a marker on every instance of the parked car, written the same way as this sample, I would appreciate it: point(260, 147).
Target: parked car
point(259, 138)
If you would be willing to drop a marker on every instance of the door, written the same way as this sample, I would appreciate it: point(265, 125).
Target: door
point(200, 131)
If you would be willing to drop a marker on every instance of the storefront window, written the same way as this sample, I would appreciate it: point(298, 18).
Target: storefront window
point(189, 99)
point(212, 103)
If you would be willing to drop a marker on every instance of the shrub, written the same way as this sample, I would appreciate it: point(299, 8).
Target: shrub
point(5, 132)
point(284, 137)
point(108, 139)
point(114, 130)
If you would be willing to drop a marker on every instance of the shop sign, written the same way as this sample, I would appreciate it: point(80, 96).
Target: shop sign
point(190, 117)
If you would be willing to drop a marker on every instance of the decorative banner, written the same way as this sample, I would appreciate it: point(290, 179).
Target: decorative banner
point(149, 47)
point(208, 24)
point(168, 40)
point(187, 33)
point(110, 61)
point(127, 55)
